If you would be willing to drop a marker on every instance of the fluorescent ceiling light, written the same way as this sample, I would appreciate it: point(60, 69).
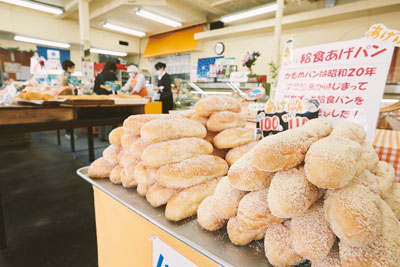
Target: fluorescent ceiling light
point(158, 18)
point(39, 41)
point(36, 5)
point(108, 52)
point(250, 13)
point(123, 29)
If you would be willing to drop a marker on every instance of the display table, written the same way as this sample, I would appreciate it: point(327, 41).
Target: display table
point(126, 223)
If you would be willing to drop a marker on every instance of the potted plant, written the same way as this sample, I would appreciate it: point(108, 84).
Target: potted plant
point(248, 61)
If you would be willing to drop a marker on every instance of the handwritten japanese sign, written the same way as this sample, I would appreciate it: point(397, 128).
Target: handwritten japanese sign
point(381, 33)
point(348, 79)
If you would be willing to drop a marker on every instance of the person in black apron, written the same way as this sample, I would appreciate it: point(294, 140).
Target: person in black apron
point(164, 88)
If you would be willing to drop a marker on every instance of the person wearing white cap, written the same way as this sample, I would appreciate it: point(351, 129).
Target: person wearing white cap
point(136, 83)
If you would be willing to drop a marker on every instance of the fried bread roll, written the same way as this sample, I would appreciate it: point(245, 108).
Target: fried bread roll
point(127, 159)
point(142, 189)
point(127, 181)
point(226, 199)
point(369, 156)
point(187, 113)
point(191, 171)
point(173, 151)
point(384, 250)
point(332, 260)
point(225, 120)
point(243, 175)
point(350, 130)
point(332, 162)
point(233, 137)
point(115, 136)
point(353, 214)
point(115, 175)
point(185, 203)
point(197, 117)
point(393, 199)
point(145, 175)
point(130, 170)
point(312, 236)
point(100, 168)
point(134, 123)
point(291, 194)
point(242, 236)
point(287, 149)
point(158, 195)
point(137, 147)
point(253, 211)
point(278, 246)
point(236, 153)
point(111, 153)
point(207, 217)
point(211, 104)
point(386, 175)
point(127, 140)
point(162, 130)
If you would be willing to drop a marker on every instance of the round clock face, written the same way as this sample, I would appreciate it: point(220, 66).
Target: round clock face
point(219, 48)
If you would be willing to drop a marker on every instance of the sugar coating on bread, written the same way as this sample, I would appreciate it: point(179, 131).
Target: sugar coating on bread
point(197, 117)
point(115, 175)
point(242, 236)
point(115, 136)
point(162, 130)
point(386, 175)
point(134, 123)
point(278, 246)
point(127, 181)
point(127, 159)
point(144, 174)
point(211, 104)
point(311, 233)
point(243, 175)
point(291, 194)
point(368, 180)
point(233, 137)
point(350, 130)
point(225, 120)
point(174, 151)
point(187, 113)
point(207, 217)
point(393, 199)
point(226, 198)
point(237, 152)
point(191, 171)
point(158, 195)
point(331, 162)
point(369, 156)
point(111, 153)
point(100, 168)
point(142, 189)
point(137, 147)
point(127, 140)
point(332, 260)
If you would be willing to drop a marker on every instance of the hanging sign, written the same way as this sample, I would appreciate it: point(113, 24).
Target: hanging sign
point(254, 93)
point(381, 33)
point(165, 256)
point(348, 78)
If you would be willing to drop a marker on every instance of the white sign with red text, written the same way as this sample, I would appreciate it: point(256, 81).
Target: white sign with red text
point(348, 78)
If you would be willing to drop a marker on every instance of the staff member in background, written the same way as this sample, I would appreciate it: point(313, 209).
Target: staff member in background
point(68, 68)
point(136, 83)
point(164, 88)
point(108, 74)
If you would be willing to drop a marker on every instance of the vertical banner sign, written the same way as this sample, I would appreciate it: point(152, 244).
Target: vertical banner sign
point(348, 78)
point(165, 256)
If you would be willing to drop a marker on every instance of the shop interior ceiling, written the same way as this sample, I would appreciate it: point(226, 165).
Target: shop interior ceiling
point(189, 12)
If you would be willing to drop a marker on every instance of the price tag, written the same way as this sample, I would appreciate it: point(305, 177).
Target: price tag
point(254, 93)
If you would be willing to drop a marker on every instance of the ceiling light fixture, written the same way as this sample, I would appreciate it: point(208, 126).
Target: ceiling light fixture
point(158, 18)
point(123, 29)
point(36, 5)
point(250, 13)
point(40, 41)
point(108, 52)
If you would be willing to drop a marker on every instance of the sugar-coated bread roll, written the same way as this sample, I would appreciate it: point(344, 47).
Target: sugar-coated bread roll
point(369, 156)
point(219, 152)
point(137, 147)
point(350, 130)
point(207, 217)
point(312, 236)
point(134, 123)
point(233, 137)
point(158, 195)
point(237, 152)
point(225, 120)
point(115, 136)
point(162, 130)
point(191, 171)
point(187, 113)
point(127, 159)
point(243, 175)
point(332, 260)
point(144, 174)
point(332, 162)
point(226, 198)
point(127, 181)
point(278, 246)
point(385, 173)
point(211, 104)
point(384, 250)
point(210, 136)
point(242, 236)
point(367, 180)
point(115, 175)
point(127, 140)
point(111, 153)
point(100, 168)
point(142, 189)
point(253, 211)
point(185, 203)
point(130, 170)
point(393, 199)
point(286, 150)
point(353, 214)
point(202, 120)
point(173, 151)
point(290, 194)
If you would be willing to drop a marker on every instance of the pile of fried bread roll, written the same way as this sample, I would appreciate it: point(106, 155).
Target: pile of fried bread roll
point(313, 193)
point(171, 159)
